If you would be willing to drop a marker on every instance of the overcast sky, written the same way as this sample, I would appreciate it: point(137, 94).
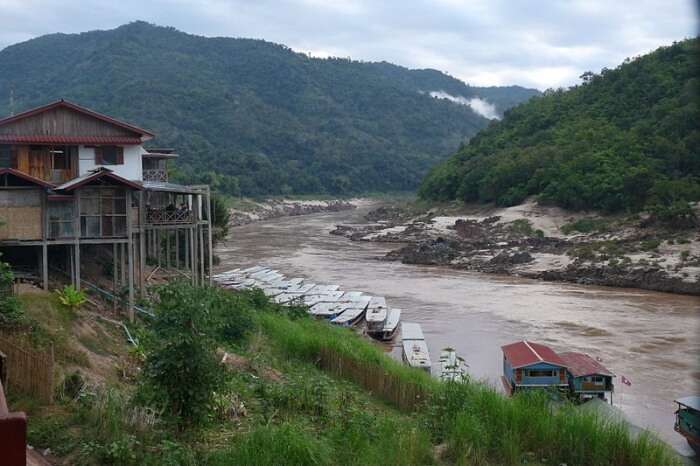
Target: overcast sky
point(533, 43)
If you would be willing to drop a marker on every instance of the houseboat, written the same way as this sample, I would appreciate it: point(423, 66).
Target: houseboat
point(78, 187)
point(587, 377)
point(414, 349)
point(688, 420)
point(529, 365)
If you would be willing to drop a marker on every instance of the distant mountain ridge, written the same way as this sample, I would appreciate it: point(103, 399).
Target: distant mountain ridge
point(253, 117)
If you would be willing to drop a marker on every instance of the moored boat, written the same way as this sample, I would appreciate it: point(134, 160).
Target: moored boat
point(414, 349)
point(376, 315)
point(348, 317)
point(391, 324)
point(451, 366)
point(688, 420)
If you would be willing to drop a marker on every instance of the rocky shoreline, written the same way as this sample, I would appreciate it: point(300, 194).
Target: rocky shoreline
point(539, 242)
point(256, 211)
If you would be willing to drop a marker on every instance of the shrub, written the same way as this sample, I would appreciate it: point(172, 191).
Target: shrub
point(521, 226)
point(10, 309)
point(71, 297)
point(181, 370)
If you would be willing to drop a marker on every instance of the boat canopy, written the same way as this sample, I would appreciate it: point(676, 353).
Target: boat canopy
point(692, 402)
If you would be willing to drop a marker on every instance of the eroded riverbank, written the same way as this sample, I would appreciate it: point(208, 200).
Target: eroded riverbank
point(650, 338)
point(540, 242)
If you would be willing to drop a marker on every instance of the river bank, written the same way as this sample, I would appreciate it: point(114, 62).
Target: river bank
point(539, 242)
point(249, 211)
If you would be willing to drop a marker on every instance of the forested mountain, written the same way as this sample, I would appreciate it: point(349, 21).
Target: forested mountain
point(624, 139)
point(252, 116)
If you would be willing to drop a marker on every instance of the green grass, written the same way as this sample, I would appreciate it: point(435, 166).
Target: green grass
point(298, 414)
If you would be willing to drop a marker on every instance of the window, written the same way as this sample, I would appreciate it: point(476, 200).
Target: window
point(109, 155)
point(540, 373)
point(102, 213)
point(5, 156)
point(61, 158)
point(61, 219)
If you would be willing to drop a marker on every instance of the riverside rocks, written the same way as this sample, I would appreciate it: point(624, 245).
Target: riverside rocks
point(276, 208)
point(630, 256)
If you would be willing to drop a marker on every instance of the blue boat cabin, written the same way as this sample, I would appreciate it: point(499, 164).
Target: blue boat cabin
point(531, 365)
point(587, 377)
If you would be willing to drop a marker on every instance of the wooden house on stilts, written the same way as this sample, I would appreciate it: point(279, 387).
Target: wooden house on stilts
point(77, 186)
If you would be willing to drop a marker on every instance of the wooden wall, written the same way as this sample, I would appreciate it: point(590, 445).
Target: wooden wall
point(20, 214)
point(37, 161)
point(62, 121)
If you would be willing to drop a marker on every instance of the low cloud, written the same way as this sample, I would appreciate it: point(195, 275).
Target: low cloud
point(480, 106)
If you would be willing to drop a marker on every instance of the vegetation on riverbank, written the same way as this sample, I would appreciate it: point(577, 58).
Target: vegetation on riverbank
point(624, 140)
point(269, 402)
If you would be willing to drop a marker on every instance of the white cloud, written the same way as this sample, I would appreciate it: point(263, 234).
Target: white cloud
point(485, 42)
point(480, 106)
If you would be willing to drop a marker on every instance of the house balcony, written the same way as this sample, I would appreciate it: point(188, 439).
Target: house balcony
point(155, 175)
point(169, 216)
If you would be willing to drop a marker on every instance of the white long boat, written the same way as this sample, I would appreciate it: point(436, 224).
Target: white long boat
point(329, 297)
point(391, 324)
point(376, 315)
point(414, 349)
point(349, 317)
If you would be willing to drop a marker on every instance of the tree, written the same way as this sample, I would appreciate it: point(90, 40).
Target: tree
point(181, 370)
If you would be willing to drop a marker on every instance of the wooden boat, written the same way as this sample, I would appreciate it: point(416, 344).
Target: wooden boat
point(688, 420)
point(376, 315)
point(391, 324)
point(451, 366)
point(414, 349)
point(349, 316)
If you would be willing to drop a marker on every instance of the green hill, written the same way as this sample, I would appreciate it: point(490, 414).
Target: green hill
point(255, 117)
point(624, 139)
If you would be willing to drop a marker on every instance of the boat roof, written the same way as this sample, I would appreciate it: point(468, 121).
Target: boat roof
point(692, 402)
point(411, 331)
point(580, 364)
point(525, 353)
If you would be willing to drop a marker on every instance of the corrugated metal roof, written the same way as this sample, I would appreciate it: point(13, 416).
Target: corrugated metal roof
point(580, 364)
point(525, 353)
point(26, 177)
point(44, 139)
point(692, 402)
point(93, 175)
point(169, 187)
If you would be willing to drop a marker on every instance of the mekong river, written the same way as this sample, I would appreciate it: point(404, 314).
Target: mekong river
point(650, 338)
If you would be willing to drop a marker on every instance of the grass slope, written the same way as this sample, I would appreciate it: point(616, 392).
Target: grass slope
point(295, 413)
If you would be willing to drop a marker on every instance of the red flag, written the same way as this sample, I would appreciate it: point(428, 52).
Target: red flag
point(626, 381)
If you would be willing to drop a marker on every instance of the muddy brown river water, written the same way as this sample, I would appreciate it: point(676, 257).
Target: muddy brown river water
point(653, 339)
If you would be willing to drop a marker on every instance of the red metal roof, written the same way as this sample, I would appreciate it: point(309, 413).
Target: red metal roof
point(95, 175)
point(580, 364)
point(77, 108)
point(26, 177)
point(525, 353)
point(89, 140)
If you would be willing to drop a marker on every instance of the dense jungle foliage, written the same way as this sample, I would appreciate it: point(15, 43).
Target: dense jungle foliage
point(624, 139)
point(252, 117)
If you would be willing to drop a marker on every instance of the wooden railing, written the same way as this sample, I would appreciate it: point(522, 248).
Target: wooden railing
point(155, 174)
point(166, 217)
